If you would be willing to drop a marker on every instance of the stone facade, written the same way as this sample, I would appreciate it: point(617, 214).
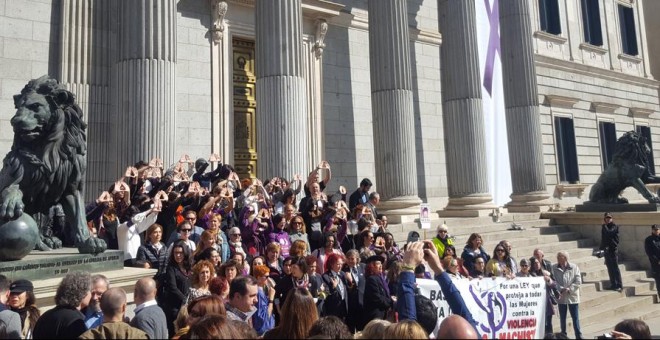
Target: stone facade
point(586, 83)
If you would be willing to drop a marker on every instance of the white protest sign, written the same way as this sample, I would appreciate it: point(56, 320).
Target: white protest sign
point(503, 309)
point(424, 216)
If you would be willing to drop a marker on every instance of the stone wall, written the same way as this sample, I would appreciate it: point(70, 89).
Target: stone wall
point(193, 80)
point(28, 49)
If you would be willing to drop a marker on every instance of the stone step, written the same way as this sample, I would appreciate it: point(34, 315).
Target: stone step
point(44, 290)
point(600, 273)
point(644, 312)
point(611, 308)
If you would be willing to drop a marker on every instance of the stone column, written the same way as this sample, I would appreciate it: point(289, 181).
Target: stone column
point(86, 50)
point(282, 120)
point(522, 109)
point(146, 126)
point(392, 107)
point(467, 172)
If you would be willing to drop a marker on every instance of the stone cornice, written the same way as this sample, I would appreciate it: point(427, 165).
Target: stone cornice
point(550, 37)
point(560, 101)
point(315, 9)
point(602, 107)
point(638, 112)
point(591, 71)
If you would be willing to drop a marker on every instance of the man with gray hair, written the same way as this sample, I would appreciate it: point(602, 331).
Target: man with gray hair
point(93, 313)
point(113, 306)
point(149, 317)
point(65, 321)
point(10, 318)
point(569, 279)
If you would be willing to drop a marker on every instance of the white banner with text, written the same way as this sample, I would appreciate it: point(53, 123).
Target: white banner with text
point(503, 309)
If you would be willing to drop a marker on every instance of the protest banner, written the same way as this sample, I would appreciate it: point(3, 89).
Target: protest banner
point(503, 309)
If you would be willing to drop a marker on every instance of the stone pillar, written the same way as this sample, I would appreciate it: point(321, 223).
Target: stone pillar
point(522, 109)
point(86, 46)
point(146, 91)
point(465, 144)
point(392, 107)
point(282, 120)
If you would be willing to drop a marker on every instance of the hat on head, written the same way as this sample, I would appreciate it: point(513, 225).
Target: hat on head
point(655, 227)
point(607, 215)
point(443, 227)
point(20, 286)
point(374, 259)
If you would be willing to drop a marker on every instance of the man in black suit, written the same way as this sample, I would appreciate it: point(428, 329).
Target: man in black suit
point(356, 281)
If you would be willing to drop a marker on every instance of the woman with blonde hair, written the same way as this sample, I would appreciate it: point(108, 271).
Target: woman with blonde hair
point(375, 329)
point(206, 241)
point(298, 231)
point(406, 329)
point(299, 249)
point(202, 273)
point(301, 313)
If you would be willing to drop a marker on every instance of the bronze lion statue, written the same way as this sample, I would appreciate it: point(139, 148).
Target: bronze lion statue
point(47, 162)
point(630, 166)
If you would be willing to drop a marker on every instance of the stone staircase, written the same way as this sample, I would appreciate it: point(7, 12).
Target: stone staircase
point(600, 309)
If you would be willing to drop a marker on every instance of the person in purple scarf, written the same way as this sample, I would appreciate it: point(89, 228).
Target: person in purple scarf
point(377, 298)
point(279, 235)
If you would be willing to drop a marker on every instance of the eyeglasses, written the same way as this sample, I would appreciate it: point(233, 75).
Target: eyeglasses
point(186, 230)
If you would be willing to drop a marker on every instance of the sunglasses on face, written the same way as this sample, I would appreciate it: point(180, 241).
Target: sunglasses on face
point(186, 230)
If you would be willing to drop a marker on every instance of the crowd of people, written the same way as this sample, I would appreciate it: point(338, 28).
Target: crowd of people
point(243, 259)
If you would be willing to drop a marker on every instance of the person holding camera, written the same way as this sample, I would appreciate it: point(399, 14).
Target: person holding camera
point(609, 243)
point(652, 248)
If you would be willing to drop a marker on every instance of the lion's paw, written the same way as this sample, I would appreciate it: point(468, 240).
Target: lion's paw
point(92, 245)
point(52, 242)
point(12, 202)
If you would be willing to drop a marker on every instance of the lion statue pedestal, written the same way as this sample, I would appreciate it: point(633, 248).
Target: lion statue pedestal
point(46, 165)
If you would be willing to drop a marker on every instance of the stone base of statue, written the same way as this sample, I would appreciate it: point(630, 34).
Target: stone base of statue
point(603, 207)
point(57, 263)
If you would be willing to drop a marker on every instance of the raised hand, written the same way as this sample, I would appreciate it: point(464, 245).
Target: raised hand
point(414, 254)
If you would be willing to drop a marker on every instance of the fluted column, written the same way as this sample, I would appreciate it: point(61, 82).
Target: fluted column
point(522, 108)
point(282, 122)
point(86, 46)
point(146, 81)
point(467, 172)
point(392, 105)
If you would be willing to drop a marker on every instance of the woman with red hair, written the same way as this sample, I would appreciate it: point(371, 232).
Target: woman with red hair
point(335, 279)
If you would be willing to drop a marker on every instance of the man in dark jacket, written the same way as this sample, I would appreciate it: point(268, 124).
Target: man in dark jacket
point(652, 248)
point(609, 242)
point(65, 321)
point(360, 195)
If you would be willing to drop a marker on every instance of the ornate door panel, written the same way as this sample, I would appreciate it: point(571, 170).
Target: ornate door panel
point(245, 104)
